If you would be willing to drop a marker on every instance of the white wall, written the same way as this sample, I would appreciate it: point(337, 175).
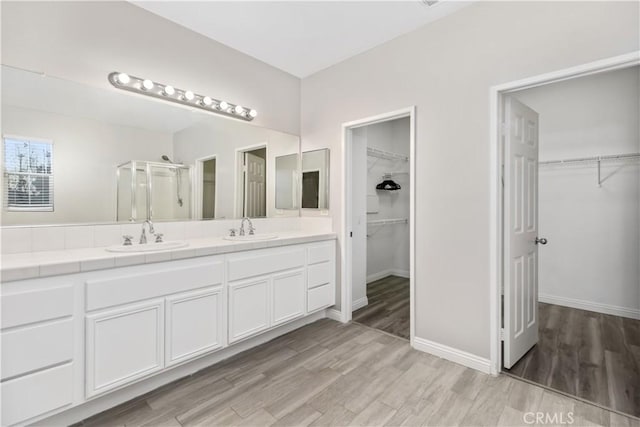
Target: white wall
point(593, 255)
point(446, 69)
point(388, 245)
point(85, 155)
point(84, 41)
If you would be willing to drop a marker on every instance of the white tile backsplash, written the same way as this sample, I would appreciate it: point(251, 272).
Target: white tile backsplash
point(78, 237)
point(106, 235)
point(35, 239)
point(193, 230)
point(16, 240)
point(47, 238)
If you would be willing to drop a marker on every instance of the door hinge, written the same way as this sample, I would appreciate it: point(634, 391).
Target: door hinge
point(501, 334)
point(351, 234)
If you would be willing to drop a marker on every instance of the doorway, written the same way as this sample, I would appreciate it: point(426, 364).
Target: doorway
point(378, 198)
point(252, 182)
point(209, 189)
point(568, 237)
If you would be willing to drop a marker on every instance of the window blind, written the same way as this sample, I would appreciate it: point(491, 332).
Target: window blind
point(28, 172)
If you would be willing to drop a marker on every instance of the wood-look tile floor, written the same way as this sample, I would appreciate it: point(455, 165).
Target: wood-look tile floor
point(388, 308)
point(590, 355)
point(333, 374)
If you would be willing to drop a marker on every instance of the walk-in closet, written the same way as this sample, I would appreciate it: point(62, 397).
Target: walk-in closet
point(381, 293)
point(588, 256)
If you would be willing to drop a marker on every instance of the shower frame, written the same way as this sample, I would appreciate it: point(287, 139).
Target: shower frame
point(149, 199)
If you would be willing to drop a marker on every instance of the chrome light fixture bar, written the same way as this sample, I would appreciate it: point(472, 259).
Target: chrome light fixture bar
point(184, 97)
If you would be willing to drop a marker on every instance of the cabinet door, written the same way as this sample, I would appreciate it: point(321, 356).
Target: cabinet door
point(248, 308)
point(194, 324)
point(124, 345)
point(287, 296)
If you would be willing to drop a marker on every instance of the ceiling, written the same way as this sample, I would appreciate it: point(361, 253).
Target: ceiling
point(301, 37)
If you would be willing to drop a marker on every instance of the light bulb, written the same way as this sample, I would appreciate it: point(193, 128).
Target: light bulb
point(224, 105)
point(169, 90)
point(206, 101)
point(123, 78)
point(238, 109)
point(188, 95)
point(147, 84)
point(253, 113)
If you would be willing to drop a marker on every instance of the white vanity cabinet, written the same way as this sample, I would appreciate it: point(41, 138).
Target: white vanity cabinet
point(38, 333)
point(71, 339)
point(266, 289)
point(123, 345)
point(321, 273)
point(194, 324)
point(144, 319)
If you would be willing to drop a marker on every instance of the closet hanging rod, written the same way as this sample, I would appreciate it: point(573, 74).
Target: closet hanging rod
point(614, 157)
point(381, 154)
point(388, 221)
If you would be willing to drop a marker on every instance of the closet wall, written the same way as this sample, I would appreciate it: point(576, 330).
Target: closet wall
point(388, 245)
point(592, 258)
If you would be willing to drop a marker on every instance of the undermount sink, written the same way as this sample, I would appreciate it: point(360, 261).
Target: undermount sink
point(251, 237)
point(149, 247)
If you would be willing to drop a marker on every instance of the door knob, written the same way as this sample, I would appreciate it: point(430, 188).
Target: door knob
point(542, 241)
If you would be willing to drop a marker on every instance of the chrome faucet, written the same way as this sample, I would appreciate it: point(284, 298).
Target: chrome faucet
point(143, 236)
point(251, 227)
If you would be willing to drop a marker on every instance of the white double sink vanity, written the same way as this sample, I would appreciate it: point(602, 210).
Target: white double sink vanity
point(79, 342)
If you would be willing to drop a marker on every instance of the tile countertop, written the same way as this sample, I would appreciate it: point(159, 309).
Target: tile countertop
point(31, 265)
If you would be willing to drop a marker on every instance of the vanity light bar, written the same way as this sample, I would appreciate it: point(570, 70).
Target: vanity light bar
point(185, 97)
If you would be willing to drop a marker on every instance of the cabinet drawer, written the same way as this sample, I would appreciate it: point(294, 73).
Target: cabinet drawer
point(320, 297)
point(321, 252)
point(36, 394)
point(261, 262)
point(320, 274)
point(35, 347)
point(36, 306)
point(138, 284)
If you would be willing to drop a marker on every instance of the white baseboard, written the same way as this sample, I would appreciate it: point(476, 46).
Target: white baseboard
point(386, 273)
point(591, 306)
point(362, 302)
point(334, 314)
point(453, 354)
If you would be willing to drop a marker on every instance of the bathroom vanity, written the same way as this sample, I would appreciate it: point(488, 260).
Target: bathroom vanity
point(74, 344)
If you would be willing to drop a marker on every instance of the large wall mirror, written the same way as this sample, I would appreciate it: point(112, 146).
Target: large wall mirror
point(79, 154)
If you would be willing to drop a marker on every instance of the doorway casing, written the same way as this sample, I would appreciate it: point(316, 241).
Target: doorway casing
point(346, 214)
point(496, 98)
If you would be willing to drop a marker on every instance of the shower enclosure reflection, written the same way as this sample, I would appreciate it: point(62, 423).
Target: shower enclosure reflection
point(158, 191)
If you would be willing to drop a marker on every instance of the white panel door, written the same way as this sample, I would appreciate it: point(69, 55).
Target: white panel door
point(123, 345)
point(255, 189)
point(288, 296)
point(248, 307)
point(194, 324)
point(521, 228)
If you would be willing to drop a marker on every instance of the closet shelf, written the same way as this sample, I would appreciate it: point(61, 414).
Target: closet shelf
point(597, 160)
point(388, 221)
point(381, 154)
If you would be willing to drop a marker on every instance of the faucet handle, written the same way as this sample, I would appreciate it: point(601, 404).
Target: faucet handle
point(127, 240)
point(252, 230)
point(232, 232)
point(159, 237)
